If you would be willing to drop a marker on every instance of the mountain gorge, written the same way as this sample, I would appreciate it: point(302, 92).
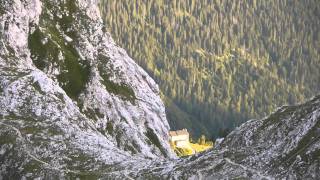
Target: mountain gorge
point(220, 63)
point(283, 145)
point(74, 105)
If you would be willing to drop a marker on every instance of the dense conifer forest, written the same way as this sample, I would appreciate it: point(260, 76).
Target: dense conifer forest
point(221, 62)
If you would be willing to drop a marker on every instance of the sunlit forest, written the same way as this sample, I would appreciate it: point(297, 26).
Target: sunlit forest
point(221, 62)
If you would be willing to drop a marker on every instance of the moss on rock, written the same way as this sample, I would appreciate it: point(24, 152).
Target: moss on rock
point(155, 140)
point(123, 90)
point(74, 72)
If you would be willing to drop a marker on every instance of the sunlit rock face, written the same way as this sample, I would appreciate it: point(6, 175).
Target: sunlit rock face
point(70, 98)
point(74, 105)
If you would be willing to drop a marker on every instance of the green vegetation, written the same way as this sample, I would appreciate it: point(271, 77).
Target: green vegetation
point(49, 48)
point(311, 137)
point(182, 152)
point(200, 147)
point(122, 90)
point(192, 147)
point(93, 114)
point(221, 62)
point(109, 128)
point(2, 11)
point(32, 166)
point(74, 73)
point(155, 140)
point(202, 140)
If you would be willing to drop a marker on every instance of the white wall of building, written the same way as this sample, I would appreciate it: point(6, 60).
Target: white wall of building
point(182, 143)
point(180, 138)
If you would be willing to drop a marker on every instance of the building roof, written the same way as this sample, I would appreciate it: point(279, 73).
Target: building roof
point(179, 132)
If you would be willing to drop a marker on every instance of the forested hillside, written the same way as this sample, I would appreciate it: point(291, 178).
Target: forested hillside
point(221, 62)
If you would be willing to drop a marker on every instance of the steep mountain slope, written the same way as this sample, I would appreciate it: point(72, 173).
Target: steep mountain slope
point(285, 144)
point(74, 105)
point(69, 97)
point(221, 62)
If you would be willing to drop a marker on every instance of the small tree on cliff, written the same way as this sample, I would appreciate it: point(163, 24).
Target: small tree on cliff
point(202, 140)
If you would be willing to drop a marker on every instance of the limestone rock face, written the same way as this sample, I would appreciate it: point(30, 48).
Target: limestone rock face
point(284, 145)
point(69, 96)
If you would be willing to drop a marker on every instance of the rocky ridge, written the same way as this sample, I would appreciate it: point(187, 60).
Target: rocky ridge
point(70, 98)
point(284, 145)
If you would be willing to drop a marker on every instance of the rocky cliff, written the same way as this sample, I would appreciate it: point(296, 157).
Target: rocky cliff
point(284, 145)
point(74, 105)
point(69, 96)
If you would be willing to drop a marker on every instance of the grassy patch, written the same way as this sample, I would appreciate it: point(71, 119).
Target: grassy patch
point(32, 166)
point(118, 139)
point(60, 96)
point(278, 116)
point(199, 148)
point(130, 148)
point(48, 44)
point(109, 128)
point(182, 152)
point(155, 140)
point(6, 136)
point(123, 90)
point(2, 11)
point(93, 114)
point(74, 74)
point(37, 87)
point(190, 149)
point(315, 154)
point(67, 19)
point(308, 139)
point(41, 54)
point(30, 130)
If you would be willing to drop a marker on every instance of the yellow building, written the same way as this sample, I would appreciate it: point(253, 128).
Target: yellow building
point(179, 138)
